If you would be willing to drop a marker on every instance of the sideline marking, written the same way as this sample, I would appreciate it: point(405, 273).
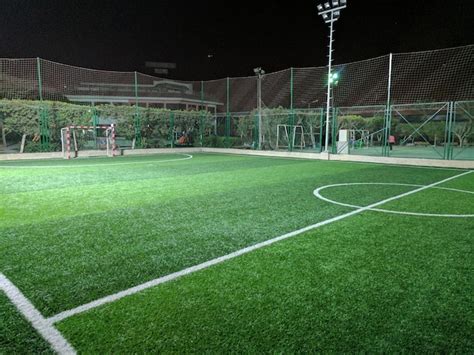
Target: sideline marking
point(317, 193)
point(40, 323)
point(392, 165)
point(100, 165)
point(121, 294)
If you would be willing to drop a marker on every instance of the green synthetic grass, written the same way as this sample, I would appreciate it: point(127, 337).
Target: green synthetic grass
point(16, 335)
point(403, 286)
point(70, 235)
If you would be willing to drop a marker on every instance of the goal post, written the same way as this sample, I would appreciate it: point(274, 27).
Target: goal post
point(70, 146)
point(290, 136)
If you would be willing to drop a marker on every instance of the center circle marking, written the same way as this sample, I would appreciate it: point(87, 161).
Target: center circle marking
point(317, 193)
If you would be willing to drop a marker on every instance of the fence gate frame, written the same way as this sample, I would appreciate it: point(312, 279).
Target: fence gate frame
point(436, 108)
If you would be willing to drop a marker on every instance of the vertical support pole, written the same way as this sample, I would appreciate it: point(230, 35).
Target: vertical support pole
point(227, 116)
point(321, 126)
point(202, 117)
point(388, 111)
point(43, 114)
point(291, 118)
point(95, 123)
point(256, 132)
point(114, 146)
point(259, 110)
point(448, 134)
point(171, 132)
point(3, 134)
point(328, 102)
point(40, 80)
point(334, 131)
point(137, 119)
point(68, 143)
point(451, 130)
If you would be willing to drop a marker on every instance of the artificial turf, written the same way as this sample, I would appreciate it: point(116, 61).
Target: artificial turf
point(73, 234)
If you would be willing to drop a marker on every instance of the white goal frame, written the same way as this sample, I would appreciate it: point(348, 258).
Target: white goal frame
point(69, 131)
point(286, 132)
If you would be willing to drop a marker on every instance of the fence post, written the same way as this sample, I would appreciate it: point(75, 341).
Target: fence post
point(227, 116)
point(259, 110)
point(137, 119)
point(95, 123)
point(448, 134)
point(335, 112)
point(256, 131)
point(171, 131)
point(291, 118)
point(43, 113)
point(201, 121)
point(388, 111)
point(388, 131)
point(321, 128)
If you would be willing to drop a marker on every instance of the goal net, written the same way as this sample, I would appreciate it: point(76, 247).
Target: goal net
point(290, 136)
point(88, 138)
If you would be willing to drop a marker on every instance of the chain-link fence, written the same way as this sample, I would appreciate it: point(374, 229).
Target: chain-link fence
point(404, 105)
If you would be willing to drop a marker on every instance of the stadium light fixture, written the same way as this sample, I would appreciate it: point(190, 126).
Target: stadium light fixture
point(330, 12)
point(259, 72)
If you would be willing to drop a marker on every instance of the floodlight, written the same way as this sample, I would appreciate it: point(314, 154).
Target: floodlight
point(258, 71)
point(330, 12)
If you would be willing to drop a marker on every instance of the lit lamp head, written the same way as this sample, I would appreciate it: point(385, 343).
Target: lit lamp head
point(334, 78)
point(259, 71)
point(330, 11)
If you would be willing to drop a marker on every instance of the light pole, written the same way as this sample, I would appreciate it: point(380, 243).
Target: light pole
point(330, 12)
point(259, 72)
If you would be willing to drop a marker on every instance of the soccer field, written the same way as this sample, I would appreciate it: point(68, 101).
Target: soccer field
point(227, 253)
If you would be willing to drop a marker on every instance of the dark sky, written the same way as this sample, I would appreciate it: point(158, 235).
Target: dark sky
point(122, 35)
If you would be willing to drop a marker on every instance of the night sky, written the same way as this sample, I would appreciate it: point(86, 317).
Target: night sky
point(240, 35)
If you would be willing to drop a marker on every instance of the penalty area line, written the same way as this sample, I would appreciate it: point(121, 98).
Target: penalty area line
point(133, 290)
point(45, 328)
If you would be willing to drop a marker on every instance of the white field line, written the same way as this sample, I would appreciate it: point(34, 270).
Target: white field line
point(42, 326)
point(116, 296)
point(99, 165)
point(317, 193)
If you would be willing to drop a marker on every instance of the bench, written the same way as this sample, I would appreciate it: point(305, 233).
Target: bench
point(122, 143)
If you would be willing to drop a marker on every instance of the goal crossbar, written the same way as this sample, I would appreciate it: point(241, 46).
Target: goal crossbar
point(68, 131)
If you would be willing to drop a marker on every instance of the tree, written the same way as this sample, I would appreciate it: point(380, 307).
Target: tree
point(462, 131)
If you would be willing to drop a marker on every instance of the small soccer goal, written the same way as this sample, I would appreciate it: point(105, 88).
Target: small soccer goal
point(86, 138)
point(287, 135)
